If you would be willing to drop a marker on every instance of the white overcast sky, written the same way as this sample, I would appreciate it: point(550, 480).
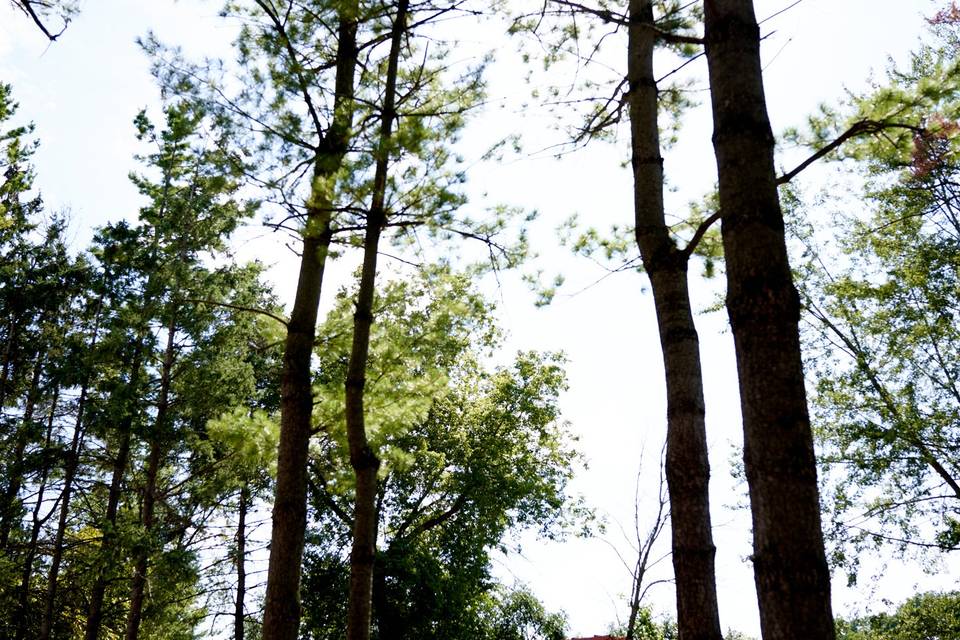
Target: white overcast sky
point(83, 91)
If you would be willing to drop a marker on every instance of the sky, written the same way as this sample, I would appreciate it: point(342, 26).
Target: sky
point(83, 92)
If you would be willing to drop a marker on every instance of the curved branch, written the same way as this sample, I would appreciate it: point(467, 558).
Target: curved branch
point(701, 231)
point(861, 127)
point(240, 307)
point(27, 7)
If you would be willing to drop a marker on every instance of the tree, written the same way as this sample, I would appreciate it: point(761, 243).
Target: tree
point(790, 568)
point(887, 401)
point(687, 463)
point(468, 458)
point(191, 212)
point(922, 617)
point(304, 112)
point(665, 258)
point(40, 286)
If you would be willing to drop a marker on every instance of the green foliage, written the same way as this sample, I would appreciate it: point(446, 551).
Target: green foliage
point(926, 616)
point(887, 405)
point(648, 626)
point(470, 458)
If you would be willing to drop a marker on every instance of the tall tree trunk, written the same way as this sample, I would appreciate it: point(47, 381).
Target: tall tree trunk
point(23, 606)
point(157, 443)
point(8, 355)
point(363, 459)
point(69, 473)
point(109, 525)
point(239, 613)
point(281, 618)
point(8, 501)
point(793, 583)
point(687, 463)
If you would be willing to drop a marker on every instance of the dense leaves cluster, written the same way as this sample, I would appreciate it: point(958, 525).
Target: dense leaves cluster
point(922, 617)
point(469, 457)
point(114, 361)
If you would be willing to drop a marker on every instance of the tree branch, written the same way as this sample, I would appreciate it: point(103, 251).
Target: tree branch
point(701, 231)
point(861, 127)
point(612, 17)
point(327, 498)
point(27, 7)
point(296, 67)
point(239, 307)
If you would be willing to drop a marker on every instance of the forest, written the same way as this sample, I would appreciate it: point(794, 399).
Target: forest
point(300, 381)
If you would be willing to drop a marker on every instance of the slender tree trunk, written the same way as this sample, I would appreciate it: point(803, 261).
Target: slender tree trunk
point(363, 459)
point(687, 464)
point(108, 527)
point(8, 355)
point(793, 583)
point(281, 618)
point(23, 606)
point(8, 501)
point(239, 613)
point(157, 443)
point(138, 582)
point(69, 473)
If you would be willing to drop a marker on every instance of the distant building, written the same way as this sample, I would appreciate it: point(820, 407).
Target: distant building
point(600, 638)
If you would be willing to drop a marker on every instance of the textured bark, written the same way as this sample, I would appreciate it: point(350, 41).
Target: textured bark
point(157, 448)
point(8, 357)
point(281, 619)
point(793, 583)
point(238, 613)
point(364, 461)
point(108, 526)
point(687, 464)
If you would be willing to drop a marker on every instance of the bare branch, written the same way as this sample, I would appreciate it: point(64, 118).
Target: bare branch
point(239, 307)
point(700, 232)
point(27, 7)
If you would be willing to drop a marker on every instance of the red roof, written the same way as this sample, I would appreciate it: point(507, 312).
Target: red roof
point(600, 638)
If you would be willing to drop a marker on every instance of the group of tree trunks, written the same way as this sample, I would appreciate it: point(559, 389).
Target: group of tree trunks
point(763, 305)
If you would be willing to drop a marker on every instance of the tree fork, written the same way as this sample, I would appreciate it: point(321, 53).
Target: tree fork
point(687, 463)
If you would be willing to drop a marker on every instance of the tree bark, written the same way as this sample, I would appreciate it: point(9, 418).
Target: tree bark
point(109, 525)
point(363, 459)
point(8, 355)
point(239, 613)
point(687, 463)
point(790, 569)
point(281, 619)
